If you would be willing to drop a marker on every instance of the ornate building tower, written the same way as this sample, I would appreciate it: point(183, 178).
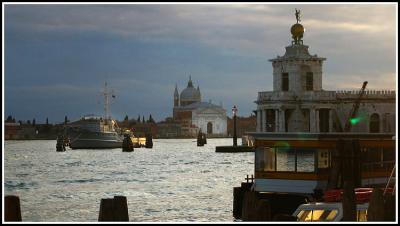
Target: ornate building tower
point(299, 104)
point(296, 76)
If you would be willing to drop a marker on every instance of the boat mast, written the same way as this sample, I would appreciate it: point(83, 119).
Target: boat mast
point(106, 95)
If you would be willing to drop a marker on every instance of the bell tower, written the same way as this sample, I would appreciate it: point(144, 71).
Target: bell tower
point(176, 96)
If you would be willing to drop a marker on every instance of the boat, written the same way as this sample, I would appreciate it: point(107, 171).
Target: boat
point(96, 132)
point(292, 169)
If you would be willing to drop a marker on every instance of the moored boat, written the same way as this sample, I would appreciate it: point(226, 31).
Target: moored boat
point(92, 132)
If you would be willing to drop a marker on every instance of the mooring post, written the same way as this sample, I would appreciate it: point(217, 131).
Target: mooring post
point(120, 208)
point(349, 175)
point(12, 208)
point(237, 202)
point(376, 208)
point(114, 209)
point(106, 210)
point(149, 141)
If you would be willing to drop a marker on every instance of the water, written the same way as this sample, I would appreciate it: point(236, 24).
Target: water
point(176, 181)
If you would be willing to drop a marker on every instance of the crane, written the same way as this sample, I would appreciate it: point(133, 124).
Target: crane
point(353, 113)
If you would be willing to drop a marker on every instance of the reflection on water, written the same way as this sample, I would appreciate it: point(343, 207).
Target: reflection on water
point(174, 181)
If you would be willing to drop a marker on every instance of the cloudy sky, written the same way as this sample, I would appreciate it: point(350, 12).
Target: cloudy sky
point(57, 57)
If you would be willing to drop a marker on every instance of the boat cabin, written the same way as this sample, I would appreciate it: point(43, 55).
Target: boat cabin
point(303, 162)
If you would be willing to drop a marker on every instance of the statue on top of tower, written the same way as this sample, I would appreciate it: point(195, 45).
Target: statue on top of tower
point(297, 15)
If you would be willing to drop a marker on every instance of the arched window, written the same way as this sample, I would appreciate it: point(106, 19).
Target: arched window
point(374, 123)
point(209, 128)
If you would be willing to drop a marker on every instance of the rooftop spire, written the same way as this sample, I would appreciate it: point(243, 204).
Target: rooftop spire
point(190, 84)
point(176, 93)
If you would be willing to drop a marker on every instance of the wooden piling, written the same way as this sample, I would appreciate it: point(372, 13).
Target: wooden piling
point(120, 208)
point(114, 209)
point(106, 212)
point(390, 207)
point(376, 208)
point(350, 177)
point(12, 208)
point(349, 202)
point(237, 202)
point(149, 141)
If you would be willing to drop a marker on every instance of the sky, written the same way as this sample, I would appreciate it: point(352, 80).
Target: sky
point(57, 57)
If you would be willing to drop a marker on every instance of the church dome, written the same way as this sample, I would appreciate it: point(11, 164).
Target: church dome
point(190, 94)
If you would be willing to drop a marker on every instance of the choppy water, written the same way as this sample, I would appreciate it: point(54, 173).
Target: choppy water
point(173, 182)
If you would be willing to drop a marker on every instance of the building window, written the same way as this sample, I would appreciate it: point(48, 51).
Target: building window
point(374, 123)
point(285, 82)
point(309, 81)
point(324, 120)
point(209, 128)
point(387, 122)
point(270, 120)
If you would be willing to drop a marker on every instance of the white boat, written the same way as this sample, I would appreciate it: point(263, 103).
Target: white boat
point(94, 132)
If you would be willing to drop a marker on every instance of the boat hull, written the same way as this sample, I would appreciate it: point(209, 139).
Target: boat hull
point(95, 140)
point(95, 144)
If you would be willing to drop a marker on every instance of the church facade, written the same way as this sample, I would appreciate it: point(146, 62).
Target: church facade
point(298, 103)
point(195, 115)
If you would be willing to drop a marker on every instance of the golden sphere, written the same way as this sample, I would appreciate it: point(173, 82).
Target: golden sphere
point(297, 30)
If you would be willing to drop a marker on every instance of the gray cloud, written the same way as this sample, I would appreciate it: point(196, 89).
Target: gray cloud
point(358, 40)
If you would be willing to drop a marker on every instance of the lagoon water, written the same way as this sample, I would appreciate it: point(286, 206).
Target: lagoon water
point(175, 181)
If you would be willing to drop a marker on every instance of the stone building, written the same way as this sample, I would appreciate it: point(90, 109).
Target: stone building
point(195, 115)
point(298, 103)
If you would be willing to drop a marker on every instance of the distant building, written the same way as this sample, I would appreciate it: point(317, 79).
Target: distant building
point(12, 131)
point(194, 115)
point(243, 125)
point(299, 104)
point(168, 129)
point(141, 129)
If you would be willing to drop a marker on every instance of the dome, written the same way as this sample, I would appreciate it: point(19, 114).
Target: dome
point(297, 30)
point(190, 94)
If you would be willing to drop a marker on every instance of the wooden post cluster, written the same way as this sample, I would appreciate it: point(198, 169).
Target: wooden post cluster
point(115, 209)
point(201, 139)
point(127, 144)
